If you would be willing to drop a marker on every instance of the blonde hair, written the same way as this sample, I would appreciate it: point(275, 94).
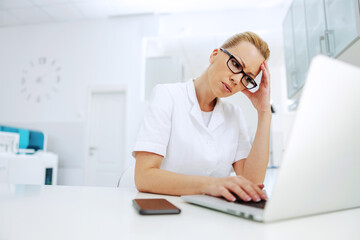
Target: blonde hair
point(250, 37)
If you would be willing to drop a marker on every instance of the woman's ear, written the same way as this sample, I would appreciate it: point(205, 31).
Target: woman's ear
point(213, 55)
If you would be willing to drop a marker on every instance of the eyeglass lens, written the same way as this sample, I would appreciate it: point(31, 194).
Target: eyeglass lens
point(236, 67)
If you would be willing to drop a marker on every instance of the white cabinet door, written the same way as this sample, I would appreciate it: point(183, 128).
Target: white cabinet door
point(341, 24)
point(315, 22)
point(26, 170)
point(300, 41)
point(289, 54)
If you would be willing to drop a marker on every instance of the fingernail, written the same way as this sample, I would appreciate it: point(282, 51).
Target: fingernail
point(264, 197)
point(233, 199)
point(247, 198)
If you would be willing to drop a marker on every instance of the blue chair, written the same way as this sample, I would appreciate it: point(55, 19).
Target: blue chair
point(28, 139)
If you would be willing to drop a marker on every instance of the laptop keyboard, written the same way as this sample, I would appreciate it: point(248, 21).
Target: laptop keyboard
point(238, 200)
point(260, 204)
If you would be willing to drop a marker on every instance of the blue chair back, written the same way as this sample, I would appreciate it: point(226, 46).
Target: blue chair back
point(28, 139)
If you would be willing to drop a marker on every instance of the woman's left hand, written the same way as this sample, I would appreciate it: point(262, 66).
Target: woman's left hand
point(261, 98)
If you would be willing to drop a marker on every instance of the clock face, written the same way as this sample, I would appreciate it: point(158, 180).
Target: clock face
point(40, 79)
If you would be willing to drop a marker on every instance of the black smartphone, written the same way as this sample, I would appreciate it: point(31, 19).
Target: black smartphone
point(154, 206)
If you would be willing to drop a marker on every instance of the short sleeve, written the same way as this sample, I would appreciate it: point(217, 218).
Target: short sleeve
point(244, 146)
point(155, 129)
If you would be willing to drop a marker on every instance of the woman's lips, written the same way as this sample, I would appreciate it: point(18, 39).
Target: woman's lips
point(226, 87)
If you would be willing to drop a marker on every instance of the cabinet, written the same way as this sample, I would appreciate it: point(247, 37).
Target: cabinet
point(313, 27)
point(38, 169)
point(341, 22)
point(300, 41)
point(289, 48)
point(296, 49)
point(314, 12)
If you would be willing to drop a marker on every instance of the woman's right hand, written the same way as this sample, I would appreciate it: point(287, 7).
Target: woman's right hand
point(228, 186)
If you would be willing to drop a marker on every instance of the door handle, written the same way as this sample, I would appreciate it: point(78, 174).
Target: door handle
point(91, 149)
point(327, 43)
point(322, 38)
point(294, 79)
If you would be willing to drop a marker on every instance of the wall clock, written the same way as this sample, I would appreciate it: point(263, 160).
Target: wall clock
point(40, 79)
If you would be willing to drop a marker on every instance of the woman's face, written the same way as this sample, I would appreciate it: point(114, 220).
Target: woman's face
point(223, 82)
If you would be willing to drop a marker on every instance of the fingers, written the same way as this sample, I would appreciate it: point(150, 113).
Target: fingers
point(265, 79)
point(260, 192)
point(227, 195)
point(234, 188)
point(237, 186)
point(252, 189)
point(252, 192)
point(265, 194)
point(266, 67)
point(246, 190)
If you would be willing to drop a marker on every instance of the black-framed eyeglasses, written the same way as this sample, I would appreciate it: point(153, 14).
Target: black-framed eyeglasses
point(236, 68)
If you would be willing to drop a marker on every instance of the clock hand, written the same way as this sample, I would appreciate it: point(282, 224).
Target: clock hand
point(39, 80)
point(45, 74)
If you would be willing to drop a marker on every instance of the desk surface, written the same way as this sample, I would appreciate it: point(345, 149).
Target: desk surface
point(64, 212)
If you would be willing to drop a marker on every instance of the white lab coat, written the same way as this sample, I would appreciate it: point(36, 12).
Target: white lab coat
point(173, 128)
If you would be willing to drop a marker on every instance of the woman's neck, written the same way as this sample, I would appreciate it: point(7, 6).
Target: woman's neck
point(205, 96)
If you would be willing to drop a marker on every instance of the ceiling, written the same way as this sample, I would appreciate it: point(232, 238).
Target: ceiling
point(24, 12)
point(177, 32)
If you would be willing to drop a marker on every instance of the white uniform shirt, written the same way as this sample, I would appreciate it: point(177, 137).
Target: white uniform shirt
point(206, 117)
point(174, 128)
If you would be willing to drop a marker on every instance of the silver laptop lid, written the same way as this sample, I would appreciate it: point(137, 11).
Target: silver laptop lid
point(320, 171)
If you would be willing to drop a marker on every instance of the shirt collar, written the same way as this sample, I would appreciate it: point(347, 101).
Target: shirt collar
point(217, 117)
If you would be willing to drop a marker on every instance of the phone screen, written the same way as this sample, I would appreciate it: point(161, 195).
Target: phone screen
point(152, 206)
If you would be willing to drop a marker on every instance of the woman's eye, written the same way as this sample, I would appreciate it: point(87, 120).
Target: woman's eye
point(236, 64)
point(249, 79)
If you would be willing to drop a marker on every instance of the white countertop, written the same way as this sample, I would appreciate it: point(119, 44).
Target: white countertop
point(64, 212)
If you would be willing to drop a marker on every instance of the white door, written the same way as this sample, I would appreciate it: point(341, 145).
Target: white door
point(106, 137)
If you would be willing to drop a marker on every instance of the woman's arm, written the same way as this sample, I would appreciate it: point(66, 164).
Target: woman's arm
point(254, 167)
point(150, 178)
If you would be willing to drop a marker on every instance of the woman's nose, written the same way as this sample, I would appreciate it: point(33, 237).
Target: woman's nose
point(236, 78)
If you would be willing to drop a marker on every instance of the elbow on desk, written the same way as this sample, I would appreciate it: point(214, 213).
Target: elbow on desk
point(147, 181)
point(146, 164)
point(140, 181)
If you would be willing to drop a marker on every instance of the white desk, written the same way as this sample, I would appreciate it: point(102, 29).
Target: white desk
point(63, 212)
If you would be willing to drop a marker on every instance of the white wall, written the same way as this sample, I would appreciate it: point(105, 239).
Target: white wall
point(112, 51)
point(91, 52)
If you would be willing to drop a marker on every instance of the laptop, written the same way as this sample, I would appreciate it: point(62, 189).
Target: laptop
point(320, 170)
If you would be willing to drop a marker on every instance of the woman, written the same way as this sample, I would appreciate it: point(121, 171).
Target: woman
point(190, 138)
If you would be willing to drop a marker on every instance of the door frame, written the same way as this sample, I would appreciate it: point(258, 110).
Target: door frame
point(101, 88)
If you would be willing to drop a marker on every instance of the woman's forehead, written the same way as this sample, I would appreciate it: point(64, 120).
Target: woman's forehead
point(249, 55)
